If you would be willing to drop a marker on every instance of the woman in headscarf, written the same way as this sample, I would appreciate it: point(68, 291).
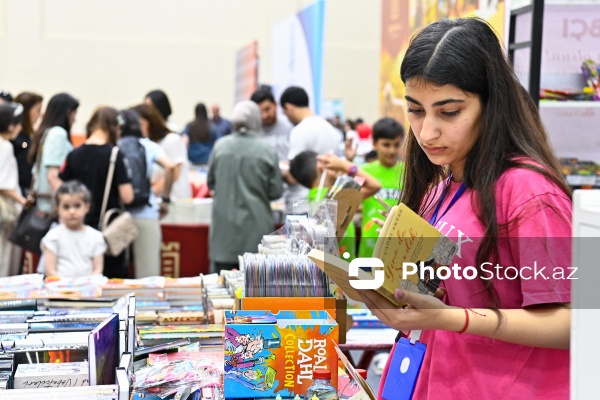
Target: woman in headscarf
point(244, 175)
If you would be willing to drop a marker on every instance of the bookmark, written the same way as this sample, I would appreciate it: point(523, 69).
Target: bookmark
point(404, 368)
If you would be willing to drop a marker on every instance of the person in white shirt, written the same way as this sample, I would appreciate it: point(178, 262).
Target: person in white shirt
point(310, 132)
point(11, 199)
point(73, 249)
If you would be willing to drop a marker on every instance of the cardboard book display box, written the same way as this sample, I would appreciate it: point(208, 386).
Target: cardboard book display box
point(348, 202)
point(268, 354)
point(335, 307)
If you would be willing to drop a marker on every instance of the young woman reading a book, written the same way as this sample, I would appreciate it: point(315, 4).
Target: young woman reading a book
point(481, 170)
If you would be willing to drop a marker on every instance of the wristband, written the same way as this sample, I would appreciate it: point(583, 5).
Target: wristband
point(464, 329)
point(166, 200)
point(352, 170)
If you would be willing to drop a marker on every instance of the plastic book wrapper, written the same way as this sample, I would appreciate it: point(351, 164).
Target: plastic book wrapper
point(404, 238)
point(20, 286)
point(311, 226)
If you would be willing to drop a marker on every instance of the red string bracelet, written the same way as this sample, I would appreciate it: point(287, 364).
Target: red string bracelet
point(466, 321)
point(464, 329)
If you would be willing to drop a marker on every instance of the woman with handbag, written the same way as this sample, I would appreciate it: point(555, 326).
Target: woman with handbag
point(90, 164)
point(51, 144)
point(11, 199)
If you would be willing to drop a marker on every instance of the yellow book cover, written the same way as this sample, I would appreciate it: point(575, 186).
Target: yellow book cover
point(405, 238)
point(408, 238)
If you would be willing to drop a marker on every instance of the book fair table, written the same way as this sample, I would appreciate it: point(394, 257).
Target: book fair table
point(184, 250)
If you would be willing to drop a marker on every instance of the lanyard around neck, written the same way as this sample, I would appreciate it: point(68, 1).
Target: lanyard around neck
point(434, 218)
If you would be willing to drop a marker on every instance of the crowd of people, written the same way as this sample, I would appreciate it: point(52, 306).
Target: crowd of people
point(247, 158)
point(478, 166)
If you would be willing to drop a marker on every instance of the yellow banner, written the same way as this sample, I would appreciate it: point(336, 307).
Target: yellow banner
point(401, 19)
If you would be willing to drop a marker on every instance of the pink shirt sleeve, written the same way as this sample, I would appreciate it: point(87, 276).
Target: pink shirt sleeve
point(537, 215)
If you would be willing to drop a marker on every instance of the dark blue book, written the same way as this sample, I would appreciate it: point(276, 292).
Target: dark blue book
point(71, 326)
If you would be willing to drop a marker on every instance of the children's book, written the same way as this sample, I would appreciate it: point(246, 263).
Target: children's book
point(18, 305)
point(103, 351)
point(51, 375)
point(275, 354)
point(181, 317)
point(406, 241)
point(62, 326)
point(85, 303)
point(181, 331)
point(105, 392)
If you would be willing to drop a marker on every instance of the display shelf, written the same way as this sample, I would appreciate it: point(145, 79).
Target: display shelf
point(569, 104)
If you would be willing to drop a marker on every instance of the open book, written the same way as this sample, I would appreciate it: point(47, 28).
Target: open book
point(406, 242)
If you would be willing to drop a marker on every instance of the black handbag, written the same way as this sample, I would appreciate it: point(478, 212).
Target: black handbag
point(32, 224)
point(30, 229)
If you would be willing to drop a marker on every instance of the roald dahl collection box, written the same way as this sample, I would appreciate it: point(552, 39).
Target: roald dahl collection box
point(268, 354)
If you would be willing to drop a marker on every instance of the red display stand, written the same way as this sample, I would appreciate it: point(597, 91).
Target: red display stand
point(184, 250)
point(30, 262)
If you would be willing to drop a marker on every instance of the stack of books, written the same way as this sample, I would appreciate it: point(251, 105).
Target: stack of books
point(144, 289)
point(206, 335)
point(184, 291)
point(20, 286)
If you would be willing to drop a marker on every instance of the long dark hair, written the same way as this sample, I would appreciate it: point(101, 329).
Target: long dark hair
point(132, 124)
point(199, 128)
point(157, 126)
point(466, 53)
point(106, 119)
point(57, 114)
point(28, 100)
point(160, 100)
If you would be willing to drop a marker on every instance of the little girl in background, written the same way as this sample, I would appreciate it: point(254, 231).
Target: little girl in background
point(73, 249)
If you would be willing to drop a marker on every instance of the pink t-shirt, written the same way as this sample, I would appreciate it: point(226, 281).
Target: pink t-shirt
point(536, 216)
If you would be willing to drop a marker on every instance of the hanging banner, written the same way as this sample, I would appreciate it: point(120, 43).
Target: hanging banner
point(401, 19)
point(297, 56)
point(246, 72)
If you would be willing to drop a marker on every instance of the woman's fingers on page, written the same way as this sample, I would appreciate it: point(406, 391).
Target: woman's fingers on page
point(378, 221)
point(372, 302)
point(418, 301)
